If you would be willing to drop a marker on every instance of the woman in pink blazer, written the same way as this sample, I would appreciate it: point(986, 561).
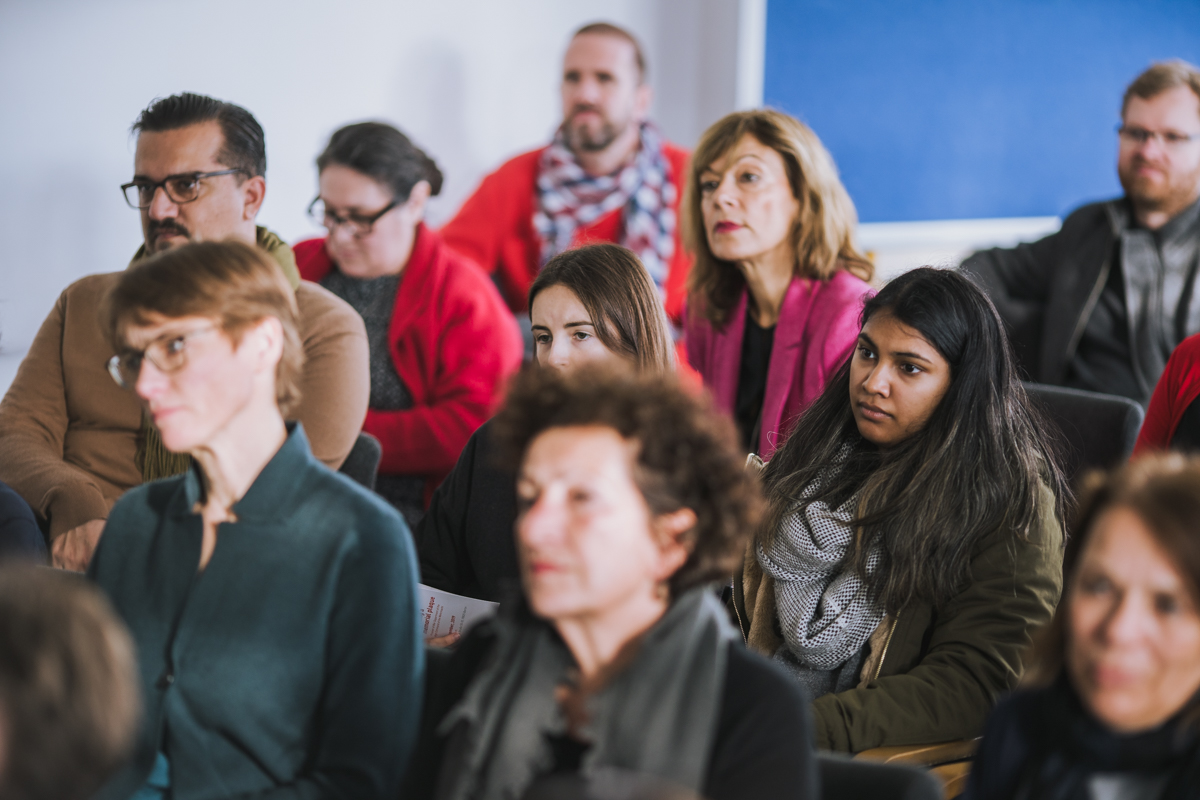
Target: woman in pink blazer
point(777, 285)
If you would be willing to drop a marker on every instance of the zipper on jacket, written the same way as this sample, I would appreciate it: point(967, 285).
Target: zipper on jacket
point(886, 644)
point(1088, 307)
point(738, 614)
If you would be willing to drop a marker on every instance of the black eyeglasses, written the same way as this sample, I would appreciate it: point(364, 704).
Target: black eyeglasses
point(356, 224)
point(182, 188)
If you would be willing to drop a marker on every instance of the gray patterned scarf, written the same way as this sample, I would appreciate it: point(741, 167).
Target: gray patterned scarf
point(569, 198)
point(825, 611)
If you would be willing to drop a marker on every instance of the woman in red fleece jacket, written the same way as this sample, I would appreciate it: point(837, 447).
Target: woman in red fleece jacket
point(441, 340)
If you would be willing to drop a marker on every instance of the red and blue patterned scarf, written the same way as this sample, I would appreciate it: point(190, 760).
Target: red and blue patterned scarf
point(569, 198)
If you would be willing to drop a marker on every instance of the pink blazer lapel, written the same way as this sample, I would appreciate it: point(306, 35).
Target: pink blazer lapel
point(786, 358)
point(726, 357)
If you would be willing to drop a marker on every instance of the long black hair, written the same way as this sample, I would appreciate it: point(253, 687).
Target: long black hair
point(978, 465)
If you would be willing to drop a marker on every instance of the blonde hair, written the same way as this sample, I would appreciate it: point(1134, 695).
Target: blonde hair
point(822, 233)
point(235, 283)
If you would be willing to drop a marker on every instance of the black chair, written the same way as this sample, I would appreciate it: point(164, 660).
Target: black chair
point(362, 465)
point(844, 777)
point(1098, 431)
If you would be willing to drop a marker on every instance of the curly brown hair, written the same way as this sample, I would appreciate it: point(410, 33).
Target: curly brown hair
point(687, 456)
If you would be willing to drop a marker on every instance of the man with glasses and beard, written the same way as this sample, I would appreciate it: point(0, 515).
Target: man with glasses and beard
point(608, 176)
point(72, 440)
point(1101, 304)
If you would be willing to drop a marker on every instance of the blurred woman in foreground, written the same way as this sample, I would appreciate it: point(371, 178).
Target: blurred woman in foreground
point(272, 601)
point(594, 304)
point(1117, 714)
point(633, 504)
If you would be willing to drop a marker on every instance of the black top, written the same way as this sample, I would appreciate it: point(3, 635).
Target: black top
point(1187, 432)
point(1043, 744)
point(752, 381)
point(465, 540)
point(20, 535)
point(1103, 360)
point(763, 745)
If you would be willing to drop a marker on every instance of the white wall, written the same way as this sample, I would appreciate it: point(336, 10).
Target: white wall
point(472, 81)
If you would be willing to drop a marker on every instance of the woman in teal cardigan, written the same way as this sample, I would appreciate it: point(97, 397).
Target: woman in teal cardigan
point(272, 601)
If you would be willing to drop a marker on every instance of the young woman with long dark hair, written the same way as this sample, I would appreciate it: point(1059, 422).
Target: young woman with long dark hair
point(913, 538)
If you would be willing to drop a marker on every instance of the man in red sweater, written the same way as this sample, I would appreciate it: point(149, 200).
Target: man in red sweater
point(608, 176)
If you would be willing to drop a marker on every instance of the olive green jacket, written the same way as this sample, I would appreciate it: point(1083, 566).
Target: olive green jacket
point(932, 675)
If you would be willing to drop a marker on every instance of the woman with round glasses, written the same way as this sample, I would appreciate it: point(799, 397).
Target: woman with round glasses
point(441, 339)
point(272, 601)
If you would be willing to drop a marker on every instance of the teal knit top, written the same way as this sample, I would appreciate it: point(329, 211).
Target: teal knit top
point(291, 666)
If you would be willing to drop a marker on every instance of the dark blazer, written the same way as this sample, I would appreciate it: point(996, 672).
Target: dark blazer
point(465, 539)
point(291, 666)
point(1046, 291)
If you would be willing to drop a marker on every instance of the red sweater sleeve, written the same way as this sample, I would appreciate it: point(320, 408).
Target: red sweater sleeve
point(1175, 391)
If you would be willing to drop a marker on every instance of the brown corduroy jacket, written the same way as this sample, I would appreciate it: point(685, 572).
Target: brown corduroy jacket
point(69, 434)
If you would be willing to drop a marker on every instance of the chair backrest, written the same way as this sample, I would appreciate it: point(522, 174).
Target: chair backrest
point(362, 465)
point(1098, 431)
point(843, 777)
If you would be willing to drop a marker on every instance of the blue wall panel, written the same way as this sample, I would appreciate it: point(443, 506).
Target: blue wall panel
point(936, 109)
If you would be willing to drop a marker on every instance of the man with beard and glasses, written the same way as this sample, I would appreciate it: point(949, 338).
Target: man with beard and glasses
point(72, 440)
point(608, 176)
point(1101, 304)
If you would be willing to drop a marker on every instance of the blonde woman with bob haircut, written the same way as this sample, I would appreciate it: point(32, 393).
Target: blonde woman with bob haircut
point(272, 601)
point(777, 285)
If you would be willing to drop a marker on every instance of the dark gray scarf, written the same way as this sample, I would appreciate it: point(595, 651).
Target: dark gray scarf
point(657, 717)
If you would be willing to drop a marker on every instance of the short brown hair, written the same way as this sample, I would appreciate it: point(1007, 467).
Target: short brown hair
point(822, 234)
point(1163, 490)
point(608, 29)
point(1162, 76)
point(613, 285)
point(687, 452)
point(235, 283)
point(70, 703)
